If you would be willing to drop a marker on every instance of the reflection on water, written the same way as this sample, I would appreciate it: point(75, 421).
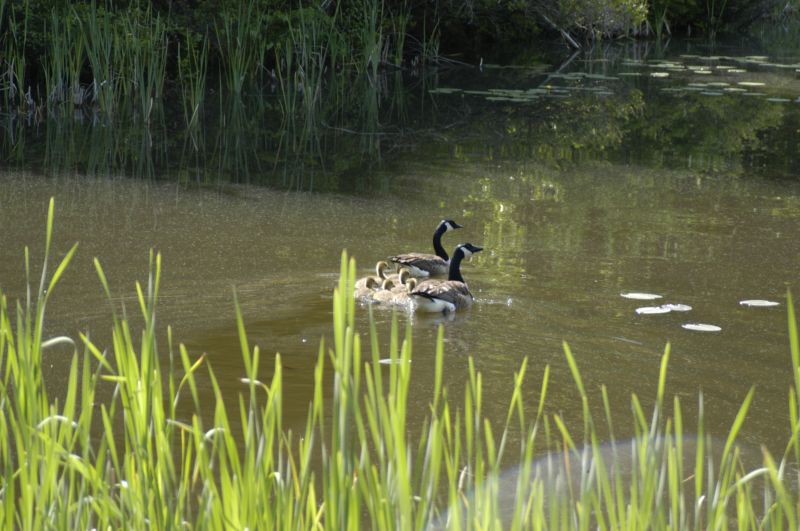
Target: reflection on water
point(598, 183)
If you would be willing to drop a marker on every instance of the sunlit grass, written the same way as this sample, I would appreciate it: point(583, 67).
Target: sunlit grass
point(137, 460)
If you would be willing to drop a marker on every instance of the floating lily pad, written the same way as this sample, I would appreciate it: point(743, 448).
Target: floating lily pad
point(779, 100)
point(758, 303)
point(734, 89)
point(659, 74)
point(390, 361)
point(711, 93)
point(751, 83)
point(701, 327)
point(737, 71)
point(677, 307)
point(651, 310)
point(640, 296)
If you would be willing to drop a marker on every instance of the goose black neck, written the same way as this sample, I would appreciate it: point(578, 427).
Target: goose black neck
point(455, 266)
point(437, 242)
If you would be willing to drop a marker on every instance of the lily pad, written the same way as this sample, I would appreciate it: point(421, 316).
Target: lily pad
point(635, 295)
point(659, 74)
point(390, 361)
point(751, 83)
point(677, 307)
point(701, 327)
point(758, 303)
point(652, 310)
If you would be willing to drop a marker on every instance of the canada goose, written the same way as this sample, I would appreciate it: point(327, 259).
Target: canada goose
point(401, 295)
point(437, 295)
point(399, 279)
point(424, 265)
point(365, 290)
point(380, 272)
point(385, 293)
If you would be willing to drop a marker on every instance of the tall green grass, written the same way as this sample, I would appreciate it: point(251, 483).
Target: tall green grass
point(193, 73)
point(63, 63)
point(153, 454)
point(14, 65)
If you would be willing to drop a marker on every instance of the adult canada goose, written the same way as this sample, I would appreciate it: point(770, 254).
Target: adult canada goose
point(367, 288)
point(437, 295)
point(424, 265)
point(380, 272)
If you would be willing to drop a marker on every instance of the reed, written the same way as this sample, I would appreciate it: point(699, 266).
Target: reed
point(64, 61)
point(142, 52)
point(192, 72)
point(238, 37)
point(154, 454)
point(99, 45)
point(15, 63)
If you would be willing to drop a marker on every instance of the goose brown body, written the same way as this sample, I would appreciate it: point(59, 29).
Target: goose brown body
point(438, 295)
point(426, 264)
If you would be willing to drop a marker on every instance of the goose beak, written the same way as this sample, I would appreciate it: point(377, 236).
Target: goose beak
point(457, 226)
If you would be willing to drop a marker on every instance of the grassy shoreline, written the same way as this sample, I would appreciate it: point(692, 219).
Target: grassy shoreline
point(98, 54)
point(136, 462)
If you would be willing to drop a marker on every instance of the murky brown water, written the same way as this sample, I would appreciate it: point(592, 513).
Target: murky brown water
point(666, 206)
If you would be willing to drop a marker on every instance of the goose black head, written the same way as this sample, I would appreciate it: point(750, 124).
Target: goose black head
point(468, 249)
point(449, 224)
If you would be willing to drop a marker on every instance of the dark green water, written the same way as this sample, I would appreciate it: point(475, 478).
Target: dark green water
point(583, 178)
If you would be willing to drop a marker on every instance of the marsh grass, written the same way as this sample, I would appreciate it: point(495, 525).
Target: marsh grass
point(14, 64)
point(193, 73)
point(155, 455)
point(238, 38)
point(63, 63)
point(144, 55)
point(99, 37)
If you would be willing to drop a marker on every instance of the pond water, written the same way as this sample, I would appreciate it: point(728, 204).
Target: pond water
point(670, 172)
